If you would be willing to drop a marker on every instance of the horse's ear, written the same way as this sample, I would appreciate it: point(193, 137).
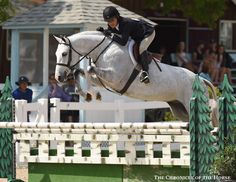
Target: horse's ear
point(59, 40)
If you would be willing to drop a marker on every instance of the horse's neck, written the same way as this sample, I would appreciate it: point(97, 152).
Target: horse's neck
point(85, 43)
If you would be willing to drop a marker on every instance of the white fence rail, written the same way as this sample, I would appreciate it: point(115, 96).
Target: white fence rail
point(162, 138)
point(22, 108)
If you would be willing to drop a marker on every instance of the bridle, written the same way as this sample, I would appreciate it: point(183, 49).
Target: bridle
point(68, 65)
point(72, 67)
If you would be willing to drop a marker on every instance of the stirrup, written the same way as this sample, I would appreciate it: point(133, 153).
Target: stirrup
point(144, 78)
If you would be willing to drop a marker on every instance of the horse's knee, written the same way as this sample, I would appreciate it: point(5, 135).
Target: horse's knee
point(98, 96)
point(88, 97)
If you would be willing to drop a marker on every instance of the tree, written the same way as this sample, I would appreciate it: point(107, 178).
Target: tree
point(202, 149)
point(6, 149)
point(6, 10)
point(204, 12)
point(227, 114)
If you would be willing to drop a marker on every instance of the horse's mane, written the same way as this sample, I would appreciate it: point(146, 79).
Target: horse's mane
point(88, 33)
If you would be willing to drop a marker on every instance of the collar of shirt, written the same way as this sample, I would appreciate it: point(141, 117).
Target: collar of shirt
point(117, 27)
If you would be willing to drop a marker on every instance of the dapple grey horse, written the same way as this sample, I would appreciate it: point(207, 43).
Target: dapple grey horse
point(113, 67)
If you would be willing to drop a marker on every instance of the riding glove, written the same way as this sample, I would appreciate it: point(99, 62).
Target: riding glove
point(100, 29)
point(107, 33)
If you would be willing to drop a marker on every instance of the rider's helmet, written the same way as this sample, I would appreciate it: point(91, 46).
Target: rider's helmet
point(110, 12)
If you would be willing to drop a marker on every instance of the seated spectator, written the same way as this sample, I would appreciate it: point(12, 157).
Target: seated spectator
point(183, 59)
point(225, 62)
point(197, 57)
point(205, 71)
point(23, 92)
point(212, 47)
point(213, 66)
point(55, 91)
point(165, 57)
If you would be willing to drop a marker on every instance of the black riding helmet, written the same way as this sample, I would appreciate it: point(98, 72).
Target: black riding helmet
point(110, 12)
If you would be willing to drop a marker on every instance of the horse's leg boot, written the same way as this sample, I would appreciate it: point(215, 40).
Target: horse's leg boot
point(143, 62)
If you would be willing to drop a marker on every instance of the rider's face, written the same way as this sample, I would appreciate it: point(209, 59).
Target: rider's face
point(113, 22)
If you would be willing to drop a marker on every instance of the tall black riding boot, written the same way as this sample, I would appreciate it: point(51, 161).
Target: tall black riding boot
point(144, 63)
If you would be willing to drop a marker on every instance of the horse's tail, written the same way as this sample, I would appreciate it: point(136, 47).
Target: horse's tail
point(215, 121)
point(209, 84)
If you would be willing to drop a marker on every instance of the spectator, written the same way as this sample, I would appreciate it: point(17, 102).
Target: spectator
point(225, 62)
point(70, 89)
point(205, 71)
point(197, 57)
point(165, 56)
point(214, 66)
point(183, 59)
point(212, 47)
point(23, 92)
point(55, 91)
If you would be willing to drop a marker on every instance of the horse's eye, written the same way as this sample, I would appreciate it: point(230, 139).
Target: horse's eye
point(64, 54)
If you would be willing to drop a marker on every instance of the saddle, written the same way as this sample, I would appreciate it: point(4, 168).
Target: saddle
point(135, 56)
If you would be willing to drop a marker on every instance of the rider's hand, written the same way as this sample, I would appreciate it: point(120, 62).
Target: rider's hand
point(100, 29)
point(107, 33)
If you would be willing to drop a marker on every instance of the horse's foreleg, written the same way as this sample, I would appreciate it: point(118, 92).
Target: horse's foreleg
point(91, 80)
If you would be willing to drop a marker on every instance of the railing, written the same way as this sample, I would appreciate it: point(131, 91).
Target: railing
point(109, 143)
point(41, 108)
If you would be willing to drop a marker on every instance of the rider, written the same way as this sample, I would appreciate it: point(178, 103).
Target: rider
point(123, 28)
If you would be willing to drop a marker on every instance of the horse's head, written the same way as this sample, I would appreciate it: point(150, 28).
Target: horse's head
point(66, 58)
point(70, 49)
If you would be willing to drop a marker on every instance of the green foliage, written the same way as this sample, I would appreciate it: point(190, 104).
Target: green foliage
point(204, 12)
point(6, 138)
point(227, 114)
point(202, 149)
point(6, 10)
point(168, 116)
point(225, 162)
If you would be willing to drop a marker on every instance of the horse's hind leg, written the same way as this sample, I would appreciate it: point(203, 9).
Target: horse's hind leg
point(179, 111)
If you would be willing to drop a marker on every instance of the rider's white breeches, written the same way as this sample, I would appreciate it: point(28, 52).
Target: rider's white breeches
point(146, 42)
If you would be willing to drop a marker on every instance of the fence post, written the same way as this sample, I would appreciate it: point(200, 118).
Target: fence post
point(54, 110)
point(19, 111)
point(43, 110)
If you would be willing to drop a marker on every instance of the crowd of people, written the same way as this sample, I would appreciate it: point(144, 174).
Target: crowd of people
point(66, 93)
point(210, 62)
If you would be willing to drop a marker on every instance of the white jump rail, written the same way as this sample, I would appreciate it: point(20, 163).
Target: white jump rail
point(165, 134)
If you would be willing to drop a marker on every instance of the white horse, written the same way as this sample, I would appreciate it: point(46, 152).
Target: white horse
point(113, 67)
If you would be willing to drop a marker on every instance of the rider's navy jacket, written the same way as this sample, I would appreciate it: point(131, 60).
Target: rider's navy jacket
point(136, 30)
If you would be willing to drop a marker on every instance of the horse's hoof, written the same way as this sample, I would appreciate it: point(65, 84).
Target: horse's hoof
point(99, 96)
point(88, 97)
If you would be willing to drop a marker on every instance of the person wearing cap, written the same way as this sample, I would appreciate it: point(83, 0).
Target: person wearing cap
point(23, 92)
point(124, 28)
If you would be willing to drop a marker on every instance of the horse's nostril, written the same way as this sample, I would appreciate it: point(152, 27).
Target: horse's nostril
point(59, 78)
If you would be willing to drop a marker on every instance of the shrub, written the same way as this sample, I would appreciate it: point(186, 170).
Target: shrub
point(225, 162)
